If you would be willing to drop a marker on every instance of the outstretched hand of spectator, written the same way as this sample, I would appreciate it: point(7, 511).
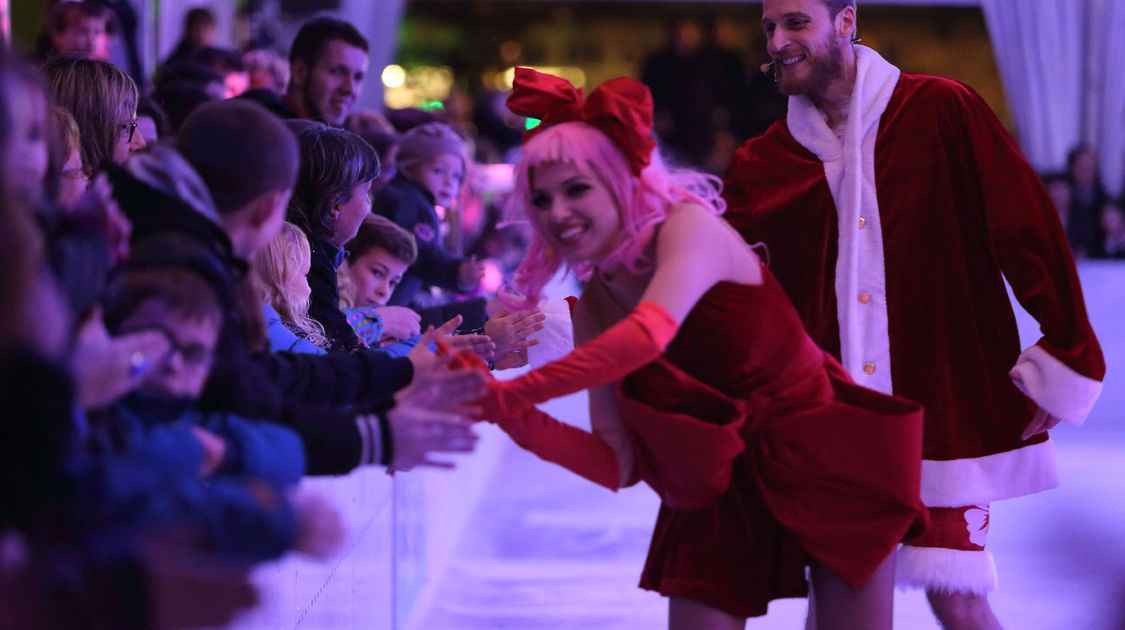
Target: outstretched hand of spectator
point(399, 322)
point(480, 345)
point(510, 332)
point(214, 450)
point(106, 368)
point(430, 415)
point(320, 532)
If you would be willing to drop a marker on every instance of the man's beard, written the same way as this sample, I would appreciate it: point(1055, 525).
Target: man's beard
point(824, 67)
point(315, 112)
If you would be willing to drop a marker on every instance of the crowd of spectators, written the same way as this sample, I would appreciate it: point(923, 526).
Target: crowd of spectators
point(1094, 219)
point(174, 347)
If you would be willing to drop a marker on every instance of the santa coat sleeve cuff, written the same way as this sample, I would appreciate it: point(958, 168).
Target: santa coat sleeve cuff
point(1057, 389)
point(945, 570)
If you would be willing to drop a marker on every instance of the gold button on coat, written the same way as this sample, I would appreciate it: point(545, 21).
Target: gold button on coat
point(862, 223)
point(864, 298)
point(868, 368)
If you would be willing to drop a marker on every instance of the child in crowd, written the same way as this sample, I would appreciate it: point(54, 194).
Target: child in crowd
point(279, 274)
point(431, 167)
point(181, 305)
point(66, 175)
point(151, 447)
point(378, 258)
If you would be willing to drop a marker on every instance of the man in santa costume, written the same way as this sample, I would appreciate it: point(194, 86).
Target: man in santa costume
point(892, 206)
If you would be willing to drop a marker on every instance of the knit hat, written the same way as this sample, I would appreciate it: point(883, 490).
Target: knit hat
point(426, 142)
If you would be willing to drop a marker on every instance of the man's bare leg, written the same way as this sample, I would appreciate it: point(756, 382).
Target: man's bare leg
point(962, 611)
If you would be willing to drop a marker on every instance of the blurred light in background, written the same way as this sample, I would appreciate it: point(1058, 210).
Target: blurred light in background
point(494, 179)
point(493, 276)
point(503, 80)
point(420, 87)
point(394, 76)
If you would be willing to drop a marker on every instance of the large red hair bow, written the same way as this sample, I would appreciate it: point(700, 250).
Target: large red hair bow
point(619, 108)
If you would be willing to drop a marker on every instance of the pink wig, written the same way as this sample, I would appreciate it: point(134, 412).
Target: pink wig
point(642, 201)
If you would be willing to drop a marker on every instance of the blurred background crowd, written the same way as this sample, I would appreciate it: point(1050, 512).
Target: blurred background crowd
point(451, 60)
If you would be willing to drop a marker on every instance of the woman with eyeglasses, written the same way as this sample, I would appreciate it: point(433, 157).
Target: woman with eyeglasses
point(103, 100)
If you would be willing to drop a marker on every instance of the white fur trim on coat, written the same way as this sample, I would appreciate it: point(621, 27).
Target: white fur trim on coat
point(980, 480)
point(1057, 389)
point(945, 570)
point(849, 168)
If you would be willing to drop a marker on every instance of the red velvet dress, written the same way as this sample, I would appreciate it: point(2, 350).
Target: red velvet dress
point(762, 451)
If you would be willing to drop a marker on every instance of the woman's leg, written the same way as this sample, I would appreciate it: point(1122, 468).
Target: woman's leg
point(688, 614)
point(841, 607)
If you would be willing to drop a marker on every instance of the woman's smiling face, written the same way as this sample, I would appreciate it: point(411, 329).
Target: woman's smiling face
point(574, 212)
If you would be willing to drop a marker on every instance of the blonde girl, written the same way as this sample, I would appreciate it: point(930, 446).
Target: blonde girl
point(279, 273)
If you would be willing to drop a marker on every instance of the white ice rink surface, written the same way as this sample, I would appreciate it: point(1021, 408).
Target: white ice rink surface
point(543, 549)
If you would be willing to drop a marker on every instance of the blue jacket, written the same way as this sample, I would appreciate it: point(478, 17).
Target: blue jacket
point(141, 476)
point(160, 427)
point(284, 340)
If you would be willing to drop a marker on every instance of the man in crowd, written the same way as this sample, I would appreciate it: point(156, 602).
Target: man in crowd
point(327, 65)
point(892, 206)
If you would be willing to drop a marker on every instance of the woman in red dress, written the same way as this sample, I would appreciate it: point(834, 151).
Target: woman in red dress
point(702, 381)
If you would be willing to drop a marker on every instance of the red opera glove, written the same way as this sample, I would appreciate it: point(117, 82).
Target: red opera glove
point(579, 451)
point(626, 346)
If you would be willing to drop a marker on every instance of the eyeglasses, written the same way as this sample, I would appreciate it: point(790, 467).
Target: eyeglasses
point(128, 129)
point(192, 354)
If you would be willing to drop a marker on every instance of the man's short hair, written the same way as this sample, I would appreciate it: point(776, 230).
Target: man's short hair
point(240, 150)
point(380, 232)
point(198, 18)
point(182, 292)
point(835, 6)
point(315, 34)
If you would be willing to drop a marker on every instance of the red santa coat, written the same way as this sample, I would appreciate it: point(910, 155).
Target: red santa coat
point(958, 207)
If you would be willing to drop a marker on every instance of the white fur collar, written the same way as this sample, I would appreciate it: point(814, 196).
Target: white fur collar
point(850, 170)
